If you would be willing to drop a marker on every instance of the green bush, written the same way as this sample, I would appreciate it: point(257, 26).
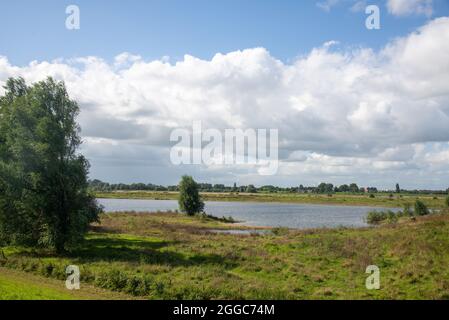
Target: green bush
point(446, 201)
point(376, 217)
point(407, 210)
point(420, 208)
point(115, 280)
point(392, 217)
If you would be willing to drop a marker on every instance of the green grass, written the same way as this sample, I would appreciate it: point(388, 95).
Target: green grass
point(16, 288)
point(17, 285)
point(379, 200)
point(171, 256)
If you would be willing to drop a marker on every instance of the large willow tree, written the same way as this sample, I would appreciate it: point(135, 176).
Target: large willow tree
point(44, 198)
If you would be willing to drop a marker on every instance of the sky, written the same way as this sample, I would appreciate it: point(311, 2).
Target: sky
point(350, 104)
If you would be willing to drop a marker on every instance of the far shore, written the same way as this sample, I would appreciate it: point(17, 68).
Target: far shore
point(377, 200)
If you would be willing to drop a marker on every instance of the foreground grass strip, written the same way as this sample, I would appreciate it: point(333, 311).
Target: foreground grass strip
point(17, 285)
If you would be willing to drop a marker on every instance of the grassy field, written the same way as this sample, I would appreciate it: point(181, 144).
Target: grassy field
point(171, 256)
point(379, 200)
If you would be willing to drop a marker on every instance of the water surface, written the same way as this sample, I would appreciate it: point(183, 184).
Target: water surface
point(300, 216)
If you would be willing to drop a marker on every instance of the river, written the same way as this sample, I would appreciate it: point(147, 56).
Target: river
point(299, 216)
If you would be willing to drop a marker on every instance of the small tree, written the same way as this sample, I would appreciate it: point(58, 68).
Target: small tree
point(447, 201)
point(398, 188)
point(420, 208)
point(189, 198)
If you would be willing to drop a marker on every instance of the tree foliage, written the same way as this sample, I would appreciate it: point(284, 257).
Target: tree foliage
point(189, 197)
point(44, 198)
point(421, 209)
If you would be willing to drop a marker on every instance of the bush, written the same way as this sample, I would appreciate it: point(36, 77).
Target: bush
point(392, 217)
point(420, 208)
point(376, 217)
point(407, 210)
point(446, 201)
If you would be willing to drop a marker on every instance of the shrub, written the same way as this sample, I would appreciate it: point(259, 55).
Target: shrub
point(407, 210)
point(446, 201)
point(376, 217)
point(391, 216)
point(114, 280)
point(280, 231)
point(420, 208)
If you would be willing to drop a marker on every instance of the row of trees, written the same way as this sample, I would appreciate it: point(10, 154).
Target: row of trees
point(98, 185)
point(44, 197)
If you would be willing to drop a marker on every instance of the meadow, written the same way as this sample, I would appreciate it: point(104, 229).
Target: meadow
point(173, 256)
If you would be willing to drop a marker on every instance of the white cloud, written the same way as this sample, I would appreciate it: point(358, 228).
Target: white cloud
point(409, 7)
point(327, 5)
point(342, 115)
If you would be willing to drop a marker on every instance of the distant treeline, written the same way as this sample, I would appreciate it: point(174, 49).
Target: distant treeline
point(322, 188)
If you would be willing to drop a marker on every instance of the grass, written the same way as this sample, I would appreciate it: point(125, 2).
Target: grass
point(172, 256)
point(17, 285)
point(379, 200)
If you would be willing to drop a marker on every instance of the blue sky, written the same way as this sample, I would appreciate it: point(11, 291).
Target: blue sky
point(345, 112)
point(35, 30)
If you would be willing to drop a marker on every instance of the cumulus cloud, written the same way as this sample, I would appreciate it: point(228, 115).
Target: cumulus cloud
point(371, 117)
point(409, 7)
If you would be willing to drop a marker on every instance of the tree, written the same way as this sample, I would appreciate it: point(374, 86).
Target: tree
point(420, 208)
point(398, 189)
point(354, 188)
point(251, 189)
point(189, 198)
point(44, 198)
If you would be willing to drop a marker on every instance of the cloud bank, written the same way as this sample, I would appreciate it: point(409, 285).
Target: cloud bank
point(343, 115)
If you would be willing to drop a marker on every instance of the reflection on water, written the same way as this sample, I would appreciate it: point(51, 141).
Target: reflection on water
point(299, 216)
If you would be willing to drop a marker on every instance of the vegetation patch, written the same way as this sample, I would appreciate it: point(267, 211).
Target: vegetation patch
point(171, 256)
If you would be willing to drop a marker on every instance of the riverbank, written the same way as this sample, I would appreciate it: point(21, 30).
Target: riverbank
point(379, 200)
point(172, 256)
